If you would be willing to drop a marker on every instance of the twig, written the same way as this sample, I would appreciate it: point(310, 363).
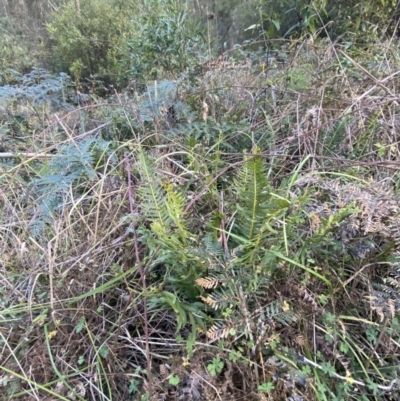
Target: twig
point(201, 193)
point(8, 155)
point(141, 272)
point(202, 378)
point(33, 155)
point(348, 379)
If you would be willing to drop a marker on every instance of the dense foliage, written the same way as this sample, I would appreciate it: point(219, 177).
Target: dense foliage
point(166, 43)
point(213, 228)
point(89, 40)
point(14, 57)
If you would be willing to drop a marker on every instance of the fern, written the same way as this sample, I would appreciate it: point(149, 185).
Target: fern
point(212, 252)
point(38, 85)
point(239, 277)
point(75, 163)
point(178, 260)
point(284, 317)
point(151, 194)
point(158, 96)
point(385, 298)
point(208, 282)
point(161, 204)
point(334, 137)
point(221, 330)
point(252, 189)
point(175, 204)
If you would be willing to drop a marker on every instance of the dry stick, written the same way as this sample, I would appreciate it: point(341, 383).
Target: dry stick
point(33, 155)
point(366, 72)
point(389, 164)
point(378, 342)
point(346, 379)
point(8, 155)
point(141, 272)
point(223, 171)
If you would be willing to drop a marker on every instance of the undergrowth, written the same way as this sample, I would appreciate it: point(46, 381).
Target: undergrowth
point(229, 235)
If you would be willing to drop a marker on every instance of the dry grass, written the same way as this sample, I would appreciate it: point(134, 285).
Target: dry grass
point(73, 321)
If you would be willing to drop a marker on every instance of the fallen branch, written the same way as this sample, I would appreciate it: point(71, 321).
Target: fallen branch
point(32, 155)
point(26, 155)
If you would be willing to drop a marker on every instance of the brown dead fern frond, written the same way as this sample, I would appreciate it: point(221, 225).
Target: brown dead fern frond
point(216, 333)
point(308, 298)
point(210, 302)
point(375, 208)
point(385, 302)
point(216, 301)
point(208, 282)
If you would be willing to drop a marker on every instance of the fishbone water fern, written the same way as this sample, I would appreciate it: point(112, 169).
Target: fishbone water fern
point(252, 190)
point(239, 276)
point(152, 195)
point(163, 230)
point(161, 204)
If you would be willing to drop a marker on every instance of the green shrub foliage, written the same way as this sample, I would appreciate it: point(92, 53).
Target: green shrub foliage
point(14, 56)
point(166, 41)
point(89, 41)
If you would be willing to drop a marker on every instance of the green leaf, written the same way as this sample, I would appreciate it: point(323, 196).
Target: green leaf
point(251, 27)
point(277, 24)
point(253, 194)
point(174, 380)
point(104, 351)
point(235, 355)
point(80, 325)
point(133, 386)
point(215, 367)
point(266, 387)
point(328, 369)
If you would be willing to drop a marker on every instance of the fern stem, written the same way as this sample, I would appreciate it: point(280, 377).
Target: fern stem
point(142, 275)
point(222, 172)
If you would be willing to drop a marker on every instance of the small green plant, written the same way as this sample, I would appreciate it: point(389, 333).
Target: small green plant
point(133, 386)
point(216, 366)
point(174, 380)
point(266, 387)
point(190, 342)
point(80, 325)
point(235, 355)
point(104, 351)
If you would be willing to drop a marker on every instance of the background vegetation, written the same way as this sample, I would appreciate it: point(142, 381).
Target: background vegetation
point(199, 200)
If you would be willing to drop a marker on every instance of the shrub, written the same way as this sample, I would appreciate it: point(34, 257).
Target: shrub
point(166, 42)
point(88, 41)
point(14, 56)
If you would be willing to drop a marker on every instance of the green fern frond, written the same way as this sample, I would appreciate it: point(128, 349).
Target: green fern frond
point(213, 250)
point(252, 189)
point(161, 204)
point(151, 193)
point(275, 311)
point(76, 163)
point(175, 203)
point(334, 136)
